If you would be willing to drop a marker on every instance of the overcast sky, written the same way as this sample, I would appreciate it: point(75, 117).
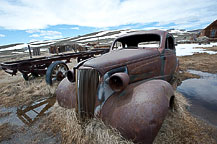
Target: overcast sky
point(26, 20)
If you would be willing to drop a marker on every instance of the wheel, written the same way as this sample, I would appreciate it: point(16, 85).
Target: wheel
point(29, 76)
point(78, 59)
point(26, 76)
point(56, 72)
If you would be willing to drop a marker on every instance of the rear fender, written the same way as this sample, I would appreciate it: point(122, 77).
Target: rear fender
point(138, 111)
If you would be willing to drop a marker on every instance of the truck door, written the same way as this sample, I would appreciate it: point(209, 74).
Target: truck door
point(169, 58)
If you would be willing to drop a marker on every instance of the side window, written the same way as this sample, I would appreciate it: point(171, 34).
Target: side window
point(169, 43)
point(118, 45)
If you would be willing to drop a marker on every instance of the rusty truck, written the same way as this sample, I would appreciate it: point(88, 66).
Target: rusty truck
point(129, 87)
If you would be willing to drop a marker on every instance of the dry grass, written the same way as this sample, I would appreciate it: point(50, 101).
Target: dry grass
point(186, 75)
point(72, 131)
point(181, 127)
point(178, 127)
point(14, 91)
point(200, 61)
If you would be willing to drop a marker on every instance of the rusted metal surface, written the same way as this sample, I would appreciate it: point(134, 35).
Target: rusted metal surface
point(118, 81)
point(128, 96)
point(120, 58)
point(139, 110)
point(87, 83)
point(66, 94)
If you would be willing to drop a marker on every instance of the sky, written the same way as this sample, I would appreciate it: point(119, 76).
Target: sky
point(23, 21)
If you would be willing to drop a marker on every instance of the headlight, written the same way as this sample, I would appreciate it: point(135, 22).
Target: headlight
point(119, 81)
point(70, 75)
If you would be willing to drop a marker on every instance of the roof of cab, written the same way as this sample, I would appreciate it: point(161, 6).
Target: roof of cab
point(158, 32)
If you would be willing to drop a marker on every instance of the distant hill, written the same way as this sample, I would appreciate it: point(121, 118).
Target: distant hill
point(10, 45)
point(102, 37)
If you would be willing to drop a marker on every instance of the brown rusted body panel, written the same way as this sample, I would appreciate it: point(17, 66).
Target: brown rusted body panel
point(66, 94)
point(138, 111)
point(136, 107)
point(120, 58)
point(170, 64)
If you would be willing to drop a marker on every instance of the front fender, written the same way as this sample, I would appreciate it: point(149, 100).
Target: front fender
point(139, 111)
point(66, 94)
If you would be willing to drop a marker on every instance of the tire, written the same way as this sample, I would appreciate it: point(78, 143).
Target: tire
point(56, 72)
point(29, 76)
point(25, 76)
point(78, 59)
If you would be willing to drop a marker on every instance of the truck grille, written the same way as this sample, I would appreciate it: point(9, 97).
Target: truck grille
point(87, 83)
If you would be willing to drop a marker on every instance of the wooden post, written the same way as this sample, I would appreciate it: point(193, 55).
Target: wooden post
point(30, 53)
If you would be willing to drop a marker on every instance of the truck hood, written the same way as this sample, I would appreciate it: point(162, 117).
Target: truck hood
point(118, 58)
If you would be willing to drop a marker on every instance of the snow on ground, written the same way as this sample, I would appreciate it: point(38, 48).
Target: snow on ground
point(49, 41)
point(41, 49)
point(24, 46)
point(92, 36)
point(41, 45)
point(17, 52)
point(17, 47)
point(178, 31)
point(96, 37)
point(190, 49)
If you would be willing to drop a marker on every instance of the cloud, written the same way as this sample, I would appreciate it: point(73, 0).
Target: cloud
point(35, 35)
point(46, 34)
point(28, 14)
point(1, 35)
point(33, 40)
point(74, 28)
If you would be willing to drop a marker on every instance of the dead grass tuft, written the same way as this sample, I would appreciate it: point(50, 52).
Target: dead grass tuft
point(178, 127)
point(181, 127)
point(199, 61)
point(20, 92)
point(72, 131)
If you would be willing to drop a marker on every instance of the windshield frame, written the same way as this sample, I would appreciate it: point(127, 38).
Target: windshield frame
point(121, 39)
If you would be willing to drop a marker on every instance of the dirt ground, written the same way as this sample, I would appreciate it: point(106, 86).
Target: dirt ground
point(60, 125)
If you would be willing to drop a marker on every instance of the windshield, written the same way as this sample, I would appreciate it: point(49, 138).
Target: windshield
point(138, 41)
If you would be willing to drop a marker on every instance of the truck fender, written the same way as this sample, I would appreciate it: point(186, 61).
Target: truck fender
point(66, 94)
point(139, 111)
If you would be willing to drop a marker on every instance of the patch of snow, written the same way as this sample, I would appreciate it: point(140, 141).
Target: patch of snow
point(17, 47)
point(99, 35)
point(94, 38)
point(17, 52)
point(43, 49)
point(178, 31)
point(190, 49)
point(40, 45)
